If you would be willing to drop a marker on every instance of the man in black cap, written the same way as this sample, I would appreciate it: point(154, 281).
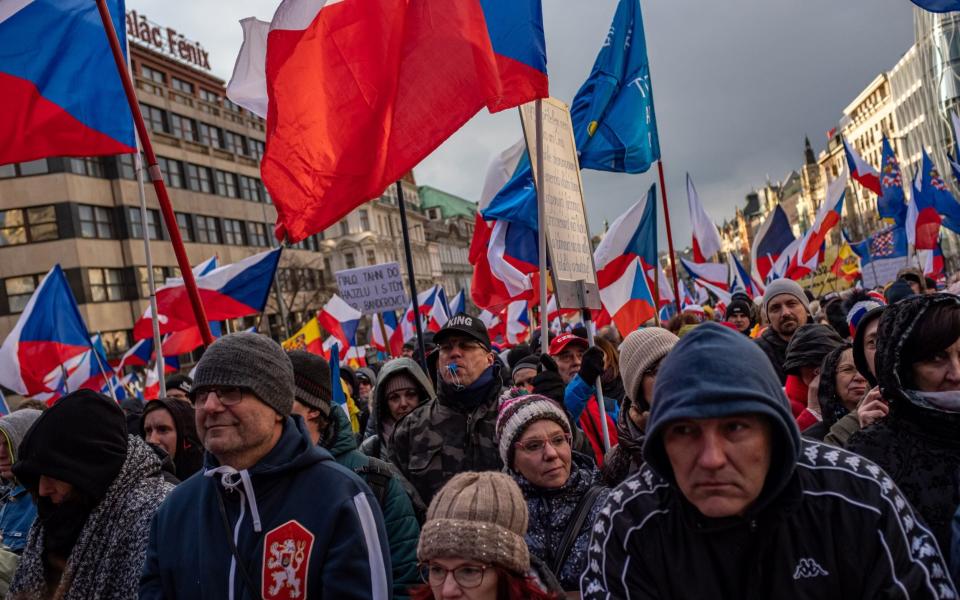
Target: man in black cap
point(740, 314)
point(455, 431)
point(96, 490)
point(179, 386)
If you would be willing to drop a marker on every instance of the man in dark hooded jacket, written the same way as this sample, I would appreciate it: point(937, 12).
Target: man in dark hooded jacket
point(170, 423)
point(731, 503)
point(274, 515)
point(456, 431)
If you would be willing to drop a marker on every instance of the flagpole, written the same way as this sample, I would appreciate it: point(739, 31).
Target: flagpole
point(542, 237)
point(154, 316)
point(151, 281)
point(411, 275)
point(103, 371)
point(156, 177)
point(666, 217)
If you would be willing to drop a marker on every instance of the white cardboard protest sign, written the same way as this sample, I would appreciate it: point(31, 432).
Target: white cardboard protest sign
point(374, 289)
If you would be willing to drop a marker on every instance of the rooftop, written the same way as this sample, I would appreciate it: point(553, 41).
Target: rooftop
point(450, 205)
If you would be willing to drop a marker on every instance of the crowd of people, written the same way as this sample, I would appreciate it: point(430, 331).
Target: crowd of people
point(778, 447)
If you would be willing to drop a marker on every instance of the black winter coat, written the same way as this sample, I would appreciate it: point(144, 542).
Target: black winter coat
point(917, 444)
point(551, 509)
point(775, 347)
point(649, 542)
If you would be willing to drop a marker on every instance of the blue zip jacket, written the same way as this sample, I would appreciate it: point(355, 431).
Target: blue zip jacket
point(17, 514)
point(321, 532)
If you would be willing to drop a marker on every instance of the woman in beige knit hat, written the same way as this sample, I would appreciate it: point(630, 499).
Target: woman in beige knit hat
point(472, 546)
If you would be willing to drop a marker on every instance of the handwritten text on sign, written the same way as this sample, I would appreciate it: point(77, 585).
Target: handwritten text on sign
point(571, 253)
point(373, 289)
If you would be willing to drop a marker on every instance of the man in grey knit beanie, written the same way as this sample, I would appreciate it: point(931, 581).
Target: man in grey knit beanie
point(786, 309)
point(243, 392)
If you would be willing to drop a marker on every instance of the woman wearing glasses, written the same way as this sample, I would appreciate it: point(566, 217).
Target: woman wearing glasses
point(561, 487)
point(472, 547)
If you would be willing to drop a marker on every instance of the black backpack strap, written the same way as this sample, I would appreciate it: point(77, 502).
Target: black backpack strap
point(574, 525)
point(377, 474)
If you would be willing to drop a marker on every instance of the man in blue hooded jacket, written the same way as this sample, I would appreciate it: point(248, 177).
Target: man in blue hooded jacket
point(272, 515)
point(732, 504)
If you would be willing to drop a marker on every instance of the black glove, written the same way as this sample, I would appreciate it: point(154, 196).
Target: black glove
point(591, 365)
point(548, 381)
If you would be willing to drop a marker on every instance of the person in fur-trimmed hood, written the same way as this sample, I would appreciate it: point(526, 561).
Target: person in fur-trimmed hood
point(96, 490)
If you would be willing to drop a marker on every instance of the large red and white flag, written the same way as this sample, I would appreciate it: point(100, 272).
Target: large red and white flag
point(706, 238)
point(360, 91)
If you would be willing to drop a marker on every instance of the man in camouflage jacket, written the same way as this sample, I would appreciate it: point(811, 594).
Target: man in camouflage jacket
point(455, 431)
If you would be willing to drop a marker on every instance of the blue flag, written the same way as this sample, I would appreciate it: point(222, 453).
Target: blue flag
point(613, 117)
point(938, 6)
point(891, 202)
point(339, 398)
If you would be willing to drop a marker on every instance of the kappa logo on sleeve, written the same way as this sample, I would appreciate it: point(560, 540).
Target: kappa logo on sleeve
point(286, 562)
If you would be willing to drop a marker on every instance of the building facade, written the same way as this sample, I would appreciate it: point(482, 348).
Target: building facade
point(84, 213)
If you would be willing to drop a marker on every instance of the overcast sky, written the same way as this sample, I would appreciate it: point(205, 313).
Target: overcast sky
point(737, 84)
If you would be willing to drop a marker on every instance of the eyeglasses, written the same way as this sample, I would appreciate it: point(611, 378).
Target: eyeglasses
point(466, 576)
point(464, 345)
point(227, 395)
point(533, 446)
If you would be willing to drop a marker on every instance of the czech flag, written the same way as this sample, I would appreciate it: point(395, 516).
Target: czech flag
point(458, 304)
point(706, 238)
point(740, 280)
point(340, 320)
point(827, 218)
point(932, 263)
point(308, 339)
point(228, 292)
point(518, 322)
point(185, 341)
point(632, 235)
point(773, 237)
point(170, 287)
point(628, 299)
point(139, 355)
point(62, 95)
point(494, 324)
point(151, 387)
point(715, 274)
point(861, 171)
point(391, 343)
point(362, 91)
point(49, 332)
point(438, 316)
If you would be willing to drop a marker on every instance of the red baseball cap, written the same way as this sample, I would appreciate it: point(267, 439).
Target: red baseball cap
point(560, 342)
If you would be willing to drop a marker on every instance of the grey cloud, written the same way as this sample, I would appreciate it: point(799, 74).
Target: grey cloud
point(737, 86)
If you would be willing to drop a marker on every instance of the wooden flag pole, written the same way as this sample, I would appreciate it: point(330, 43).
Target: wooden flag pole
point(666, 218)
point(156, 177)
point(542, 238)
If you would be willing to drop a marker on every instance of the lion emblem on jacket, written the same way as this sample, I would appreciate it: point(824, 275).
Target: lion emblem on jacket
point(285, 559)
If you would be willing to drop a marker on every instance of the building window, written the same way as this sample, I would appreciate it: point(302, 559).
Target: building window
point(155, 118)
point(209, 96)
point(182, 127)
point(126, 167)
point(136, 225)
point(172, 171)
point(95, 222)
point(183, 224)
point(158, 279)
point(226, 183)
point(249, 188)
point(258, 148)
point(106, 285)
point(256, 234)
point(19, 290)
point(199, 179)
point(235, 142)
point(371, 257)
point(115, 342)
point(211, 135)
point(344, 227)
point(264, 194)
point(364, 220)
point(153, 74)
point(182, 86)
point(34, 167)
point(89, 166)
point(24, 225)
point(207, 229)
point(232, 232)
point(350, 260)
point(228, 104)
